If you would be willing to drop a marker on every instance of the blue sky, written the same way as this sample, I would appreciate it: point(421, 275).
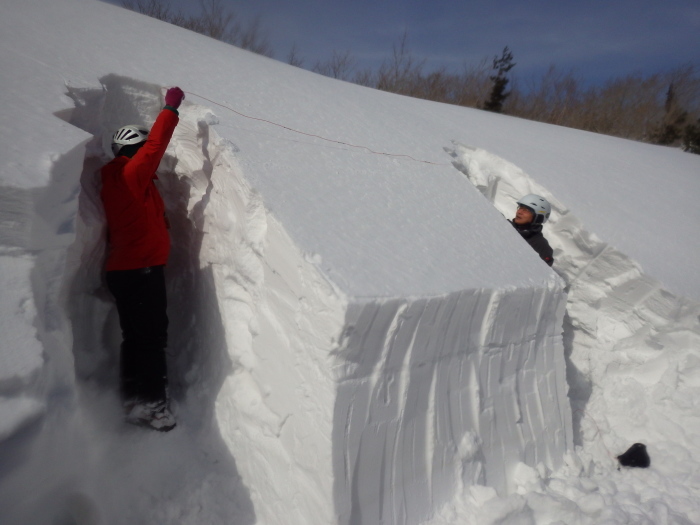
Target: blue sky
point(597, 39)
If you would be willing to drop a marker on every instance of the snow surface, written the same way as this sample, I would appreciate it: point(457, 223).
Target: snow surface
point(355, 337)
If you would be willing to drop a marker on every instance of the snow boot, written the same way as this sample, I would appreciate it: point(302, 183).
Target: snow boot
point(151, 414)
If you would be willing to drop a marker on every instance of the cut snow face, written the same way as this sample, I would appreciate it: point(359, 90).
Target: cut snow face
point(447, 392)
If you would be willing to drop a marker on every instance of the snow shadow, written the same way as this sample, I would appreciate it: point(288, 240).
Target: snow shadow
point(191, 464)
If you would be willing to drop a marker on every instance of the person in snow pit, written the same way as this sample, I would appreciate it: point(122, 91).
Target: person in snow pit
point(533, 211)
point(138, 249)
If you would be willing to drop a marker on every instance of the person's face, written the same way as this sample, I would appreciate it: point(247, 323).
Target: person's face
point(523, 215)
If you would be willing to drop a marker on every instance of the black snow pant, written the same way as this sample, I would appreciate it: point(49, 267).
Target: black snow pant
point(141, 303)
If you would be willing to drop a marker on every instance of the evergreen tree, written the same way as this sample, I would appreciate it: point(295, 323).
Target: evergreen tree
point(500, 81)
point(671, 128)
point(691, 138)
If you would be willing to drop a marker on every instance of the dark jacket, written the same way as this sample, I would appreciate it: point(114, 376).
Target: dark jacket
point(532, 233)
point(138, 234)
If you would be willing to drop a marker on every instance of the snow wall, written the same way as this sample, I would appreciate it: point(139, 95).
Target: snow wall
point(296, 403)
point(446, 392)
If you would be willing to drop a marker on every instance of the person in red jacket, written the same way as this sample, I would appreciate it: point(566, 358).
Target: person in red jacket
point(138, 249)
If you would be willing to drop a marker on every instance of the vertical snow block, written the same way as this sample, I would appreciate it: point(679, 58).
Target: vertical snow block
point(441, 391)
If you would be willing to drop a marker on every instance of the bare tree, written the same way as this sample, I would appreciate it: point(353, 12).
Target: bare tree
point(365, 77)
point(339, 66)
point(400, 72)
point(215, 20)
point(153, 8)
point(293, 57)
point(252, 38)
point(554, 98)
point(472, 85)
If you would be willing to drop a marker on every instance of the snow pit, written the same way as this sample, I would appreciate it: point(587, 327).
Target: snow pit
point(335, 408)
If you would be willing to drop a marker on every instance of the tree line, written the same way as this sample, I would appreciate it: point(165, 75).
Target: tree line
point(660, 108)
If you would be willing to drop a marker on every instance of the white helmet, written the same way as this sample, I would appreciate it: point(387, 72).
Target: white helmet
point(126, 135)
point(539, 205)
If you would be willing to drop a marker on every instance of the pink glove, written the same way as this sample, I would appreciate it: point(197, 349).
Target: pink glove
point(173, 97)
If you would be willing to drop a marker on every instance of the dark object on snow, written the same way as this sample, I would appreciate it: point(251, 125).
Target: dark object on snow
point(636, 456)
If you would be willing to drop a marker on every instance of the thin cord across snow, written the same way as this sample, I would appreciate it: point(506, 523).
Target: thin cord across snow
point(318, 136)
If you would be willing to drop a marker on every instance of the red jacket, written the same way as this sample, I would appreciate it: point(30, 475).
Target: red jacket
point(137, 230)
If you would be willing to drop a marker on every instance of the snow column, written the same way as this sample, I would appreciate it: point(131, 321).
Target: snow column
point(442, 392)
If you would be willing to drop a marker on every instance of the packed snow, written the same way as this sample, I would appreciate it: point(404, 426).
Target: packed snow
point(357, 334)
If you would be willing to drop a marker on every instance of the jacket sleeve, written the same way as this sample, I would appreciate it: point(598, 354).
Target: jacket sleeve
point(141, 169)
point(542, 247)
point(546, 252)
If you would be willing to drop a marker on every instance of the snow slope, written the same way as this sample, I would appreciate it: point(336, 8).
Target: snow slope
point(356, 337)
